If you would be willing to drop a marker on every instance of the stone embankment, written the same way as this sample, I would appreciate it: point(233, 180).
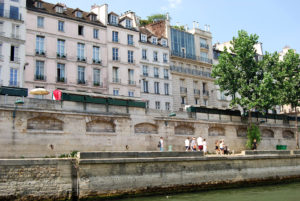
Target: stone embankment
point(98, 175)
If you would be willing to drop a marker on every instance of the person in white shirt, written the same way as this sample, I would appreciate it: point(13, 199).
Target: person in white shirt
point(193, 144)
point(187, 144)
point(200, 143)
point(204, 146)
point(161, 143)
point(221, 147)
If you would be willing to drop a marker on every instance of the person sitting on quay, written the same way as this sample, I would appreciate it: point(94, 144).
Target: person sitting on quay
point(187, 144)
point(200, 143)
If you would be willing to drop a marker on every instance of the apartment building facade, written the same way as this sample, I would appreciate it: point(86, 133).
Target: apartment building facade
point(12, 42)
point(123, 53)
point(190, 64)
point(67, 49)
point(156, 79)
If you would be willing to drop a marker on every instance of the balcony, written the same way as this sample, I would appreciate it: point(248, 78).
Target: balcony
point(13, 83)
point(130, 61)
point(116, 80)
point(61, 55)
point(183, 90)
point(116, 40)
point(205, 93)
point(191, 56)
point(10, 15)
point(61, 79)
point(97, 84)
point(145, 74)
point(166, 77)
point(97, 61)
point(15, 59)
point(40, 52)
point(81, 81)
point(131, 82)
point(197, 92)
point(15, 36)
point(81, 59)
point(204, 45)
point(39, 77)
point(190, 71)
point(155, 60)
point(156, 75)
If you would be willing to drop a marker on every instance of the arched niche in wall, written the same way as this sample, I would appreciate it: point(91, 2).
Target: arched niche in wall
point(267, 133)
point(145, 128)
point(184, 130)
point(45, 123)
point(241, 132)
point(100, 126)
point(216, 131)
point(287, 134)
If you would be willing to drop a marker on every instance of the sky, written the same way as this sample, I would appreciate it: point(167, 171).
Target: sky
point(276, 22)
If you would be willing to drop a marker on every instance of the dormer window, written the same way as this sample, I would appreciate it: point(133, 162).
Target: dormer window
point(113, 19)
point(59, 9)
point(39, 4)
point(93, 17)
point(78, 14)
point(154, 40)
point(143, 38)
point(128, 23)
point(164, 42)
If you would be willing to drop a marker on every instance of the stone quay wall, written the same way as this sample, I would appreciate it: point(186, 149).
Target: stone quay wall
point(40, 128)
point(99, 176)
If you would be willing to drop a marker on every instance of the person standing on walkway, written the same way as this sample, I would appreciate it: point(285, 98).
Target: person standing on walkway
point(254, 144)
point(204, 146)
point(193, 144)
point(200, 143)
point(161, 144)
point(221, 147)
point(187, 143)
point(217, 146)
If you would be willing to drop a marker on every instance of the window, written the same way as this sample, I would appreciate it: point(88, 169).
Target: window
point(61, 73)
point(39, 70)
point(156, 87)
point(128, 23)
point(15, 31)
point(145, 86)
point(143, 38)
point(167, 105)
point(14, 13)
point(61, 26)
point(164, 43)
point(155, 56)
point(116, 92)
point(144, 54)
point(39, 4)
point(80, 30)
point(40, 45)
point(80, 52)
point(182, 100)
point(78, 14)
point(59, 9)
point(157, 105)
point(131, 77)
point(81, 79)
point(1, 28)
point(13, 77)
point(130, 56)
point(203, 43)
point(130, 39)
point(156, 73)
point(40, 22)
point(96, 54)
point(196, 101)
point(113, 19)
point(165, 58)
point(96, 75)
point(205, 102)
point(166, 89)
point(96, 33)
point(166, 74)
point(115, 55)
point(115, 36)
point(61, 48)
point(130, 93)
point(93, 17)
point(14, 53)
point(204, 54)
point(145, 70)
point(204, 87)
point(1, 56)
point(116, 75)
point(154, 40)
point(147, 104)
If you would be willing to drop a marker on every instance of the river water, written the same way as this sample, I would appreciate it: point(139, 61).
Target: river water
point(283, 192)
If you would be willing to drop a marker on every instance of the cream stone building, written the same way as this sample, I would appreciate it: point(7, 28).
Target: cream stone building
point(12, 42)
point(156, 80)
point(190, 64)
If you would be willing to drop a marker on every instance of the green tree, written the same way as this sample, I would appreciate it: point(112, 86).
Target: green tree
point(253, 133)
point(150, 19)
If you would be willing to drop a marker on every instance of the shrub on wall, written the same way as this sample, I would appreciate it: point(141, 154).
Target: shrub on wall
point(253, 133)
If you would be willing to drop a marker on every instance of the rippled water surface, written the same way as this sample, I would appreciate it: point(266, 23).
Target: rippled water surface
point(284, 192)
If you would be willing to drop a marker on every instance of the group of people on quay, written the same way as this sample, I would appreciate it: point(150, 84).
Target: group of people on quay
point(194, 144)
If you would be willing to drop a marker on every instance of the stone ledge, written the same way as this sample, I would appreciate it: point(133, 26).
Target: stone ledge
point(20, 162)
point(257, 152)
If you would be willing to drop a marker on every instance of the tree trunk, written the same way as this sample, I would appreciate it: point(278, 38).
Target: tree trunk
point(296, 133)
point(250, 119)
